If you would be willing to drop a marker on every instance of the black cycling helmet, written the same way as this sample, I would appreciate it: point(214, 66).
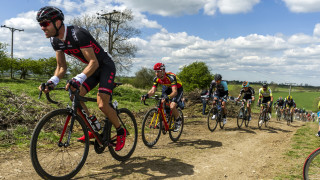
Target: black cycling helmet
point(265, 85)
point(217, 77)
point(52, 14)
point(49, 13)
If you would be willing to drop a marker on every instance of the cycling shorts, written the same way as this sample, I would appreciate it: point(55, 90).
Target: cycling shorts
point(222, 98)
point(167, 91)
point(104, 75)
point(266, 99)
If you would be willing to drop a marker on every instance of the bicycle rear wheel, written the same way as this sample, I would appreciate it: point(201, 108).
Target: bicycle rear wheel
point(240, 118)
point(128, 122)
point(151, 127)
point(175, 135)
point(54, 161)
point(212, 119)
point(312, 165)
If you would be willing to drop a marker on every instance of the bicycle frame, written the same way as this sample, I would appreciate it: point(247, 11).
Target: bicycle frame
point(161, 111)
point(78, 109)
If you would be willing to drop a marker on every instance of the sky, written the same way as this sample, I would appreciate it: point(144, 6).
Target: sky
point(253, 40)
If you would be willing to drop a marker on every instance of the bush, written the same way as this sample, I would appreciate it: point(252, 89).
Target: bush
point(195, 75)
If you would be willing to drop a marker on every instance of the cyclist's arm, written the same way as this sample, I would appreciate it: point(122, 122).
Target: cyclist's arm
point(61, 64)
point(174, 92)
point(152, 91)
point(90, 56)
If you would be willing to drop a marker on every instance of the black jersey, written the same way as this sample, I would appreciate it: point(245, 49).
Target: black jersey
point(247, 94)
point(76, 38)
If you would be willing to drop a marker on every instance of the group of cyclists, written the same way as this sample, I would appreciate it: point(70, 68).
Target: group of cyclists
point(100, 69)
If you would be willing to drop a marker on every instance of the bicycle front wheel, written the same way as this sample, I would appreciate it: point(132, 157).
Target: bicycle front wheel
point(312, 165)
point(52, 160)
point(129, 123)
point(288, 120)
point(212, 119)
point(261, 120)
point(246, 121)
point(151, 127)
point(176, 132)
point(240, 118)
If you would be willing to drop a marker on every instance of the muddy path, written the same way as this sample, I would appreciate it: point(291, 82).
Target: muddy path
point(229, 153)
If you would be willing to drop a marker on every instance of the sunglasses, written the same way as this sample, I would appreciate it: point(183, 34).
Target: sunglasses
point(44, 23)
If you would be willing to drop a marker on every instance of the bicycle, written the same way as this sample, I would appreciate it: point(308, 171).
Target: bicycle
point(311, 166)
point(288, 116)
point(215, 116)
point(263, 117)
point(159, 119)
point(55, 150)
point(278, 112)
point(243, 114)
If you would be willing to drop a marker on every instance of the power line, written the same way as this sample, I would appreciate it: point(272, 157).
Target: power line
point(12, 31)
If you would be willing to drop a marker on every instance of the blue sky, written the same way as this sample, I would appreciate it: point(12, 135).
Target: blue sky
point(254, 40)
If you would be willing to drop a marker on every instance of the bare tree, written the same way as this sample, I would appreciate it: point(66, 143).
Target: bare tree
point(120, 31)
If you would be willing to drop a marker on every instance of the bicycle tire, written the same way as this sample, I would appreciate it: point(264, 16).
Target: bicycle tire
point(174, 136)
point(312, 165)
point(240, 118)
point(261, 117)
point(246, 121)
point(46, 155)
point(212, 123)
point(220, 120)
point(151, 128)
point(278, 115)
point(266, 120)
point(288, 120)
point(127, 121)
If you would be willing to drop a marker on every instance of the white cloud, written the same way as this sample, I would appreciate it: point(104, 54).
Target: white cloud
point(178, 8)
point(236, 6)
point(303, 6)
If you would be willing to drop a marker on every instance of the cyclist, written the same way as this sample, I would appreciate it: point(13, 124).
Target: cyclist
point(78, 42)
point(290, 105)
point(172, 90)
point(248, 95)
point(221, 93)
point(266, 94)
point(280, 104)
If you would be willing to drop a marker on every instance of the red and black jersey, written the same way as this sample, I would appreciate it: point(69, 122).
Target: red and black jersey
point(76, 38)
point(170, 80)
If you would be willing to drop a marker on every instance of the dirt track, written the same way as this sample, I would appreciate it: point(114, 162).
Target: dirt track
point(231, 153)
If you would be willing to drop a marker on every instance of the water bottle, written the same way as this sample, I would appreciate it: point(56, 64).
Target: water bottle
point(95, 123)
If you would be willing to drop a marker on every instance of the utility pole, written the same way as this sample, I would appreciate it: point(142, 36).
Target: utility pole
point(12, 30)
point(290, 84)
point(108, 18)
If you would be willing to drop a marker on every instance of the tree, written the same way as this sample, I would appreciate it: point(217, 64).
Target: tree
point(143, 78)
point(121, 50)
point(47, 66)
point(195, 75)
point(4, 61)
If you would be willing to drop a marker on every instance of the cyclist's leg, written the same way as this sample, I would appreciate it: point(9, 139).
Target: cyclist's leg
point(224, 107)
point(107, 76)
point(175, 101)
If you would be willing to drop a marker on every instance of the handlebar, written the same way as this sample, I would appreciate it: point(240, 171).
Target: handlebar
point(76, 93)
point(156, 97)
